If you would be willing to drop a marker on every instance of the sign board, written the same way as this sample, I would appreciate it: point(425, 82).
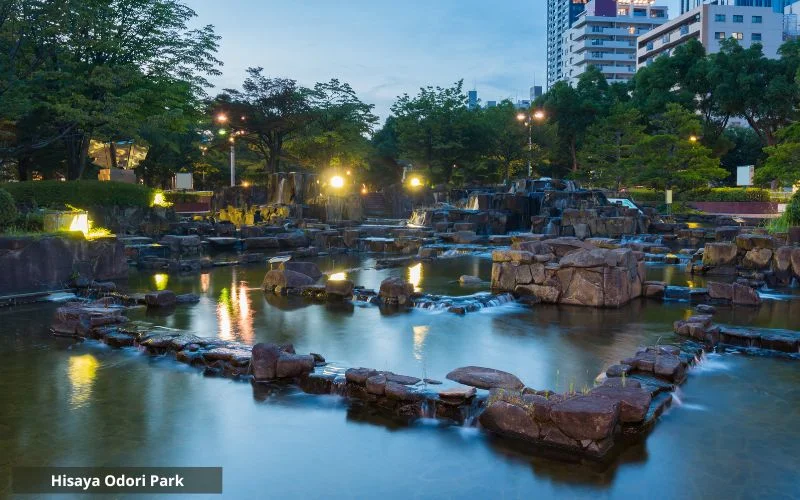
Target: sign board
point(669, 197)
point(744, 175)
point(183, 182)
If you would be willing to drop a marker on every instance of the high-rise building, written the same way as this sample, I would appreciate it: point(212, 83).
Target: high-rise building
point(777, 5)
point(472, 99)
point(560, 16)
point(604, 36)
point(711, 24)
point(535, 92)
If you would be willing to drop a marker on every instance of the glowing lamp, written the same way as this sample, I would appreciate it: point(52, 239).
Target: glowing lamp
point(80, 222)
point(415, 182)
point(337, 277)
point(337, 181)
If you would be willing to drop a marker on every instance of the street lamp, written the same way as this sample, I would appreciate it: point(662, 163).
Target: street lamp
point(222, 118)
point(538, 116)
point(337, 181)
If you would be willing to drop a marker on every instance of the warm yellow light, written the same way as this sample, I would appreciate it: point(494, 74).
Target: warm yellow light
point(159, 200)
point(337, 181)
point(693, 138)
point(80, 222)
point(245, 184)
point(337, 277)
point(539, 115)
point(415, 276)
point(520, 116)
point(364, 190)
point(81, 373)
point(222, 118)
point(415, 182)
point(160, 281)
point(348, 172)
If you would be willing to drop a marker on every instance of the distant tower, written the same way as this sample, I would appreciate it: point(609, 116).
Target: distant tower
point(472, 99)
point(536, 92)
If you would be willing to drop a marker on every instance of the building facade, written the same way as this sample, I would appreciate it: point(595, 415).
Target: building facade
point(776, 5)
point(605, 36)
point(711, 24)
point(560, 16)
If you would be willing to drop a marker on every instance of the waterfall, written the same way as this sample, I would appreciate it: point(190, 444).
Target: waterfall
point(551, 229)
point(470, 303)
point(281, 186)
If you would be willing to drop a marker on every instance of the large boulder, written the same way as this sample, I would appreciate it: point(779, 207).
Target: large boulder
point(720, 291)
point(745, 296)
point(720, 254)
point(162, 298)
point(293, 365)
point(586, 417)
point(339, 289)
point(545, 293)
point(280, 279)
point(264, 360)
point(485, 378)
point(308, 268)
point(585, 258)
point(582, 286)
point(751, 241)
point(396, 291)
point(757, 258)
point(634, 401)
point(507, 419)
point(796, 262)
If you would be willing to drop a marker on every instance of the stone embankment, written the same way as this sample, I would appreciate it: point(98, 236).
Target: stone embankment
point(32, 264)
point(585, 423)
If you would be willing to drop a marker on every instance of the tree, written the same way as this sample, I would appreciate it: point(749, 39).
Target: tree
point(609, 155)
point(670, 159)
point(102, 67)
point(507, 140)
point(336, 134)
point(268, 112)
point(745, 149)
point(383, 167)
point(763, 91)
point(434, 130)
point(575, 109)
point(783, 159)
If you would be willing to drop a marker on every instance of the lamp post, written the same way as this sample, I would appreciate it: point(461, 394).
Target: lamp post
point(222, 118)
point(538, 115)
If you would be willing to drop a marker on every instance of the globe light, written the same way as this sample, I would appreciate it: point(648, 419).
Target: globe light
point(337, 181)
point(539, 115)
point(415, 182)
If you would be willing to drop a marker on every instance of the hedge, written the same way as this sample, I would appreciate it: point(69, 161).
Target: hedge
point(714, 194)
point(80, 194)
point(8, 209)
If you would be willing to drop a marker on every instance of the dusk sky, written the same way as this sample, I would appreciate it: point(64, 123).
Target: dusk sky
point(385, 48)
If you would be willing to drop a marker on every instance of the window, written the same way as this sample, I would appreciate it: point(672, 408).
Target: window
point(597, 55)
point(719, 35)
point(649, 45)
point(756, 37)
point(720, 18)
point(757, 19)
point(737, 35)
point(665, 38)
point(684, 30)
point(738, 19)
point(597, 42)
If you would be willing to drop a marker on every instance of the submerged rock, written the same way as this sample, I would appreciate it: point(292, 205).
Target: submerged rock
point(278, 280)
point(163, 298)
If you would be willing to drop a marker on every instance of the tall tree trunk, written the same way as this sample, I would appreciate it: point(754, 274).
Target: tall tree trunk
point(573, 153)
point(23, 168)
point(112, 153)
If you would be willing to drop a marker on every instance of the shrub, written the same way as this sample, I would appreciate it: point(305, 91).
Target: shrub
point(728, 194)
point(8, 209)
point(792, 213)
point(54, 194)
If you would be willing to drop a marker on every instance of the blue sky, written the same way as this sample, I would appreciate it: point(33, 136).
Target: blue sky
point(384, 48)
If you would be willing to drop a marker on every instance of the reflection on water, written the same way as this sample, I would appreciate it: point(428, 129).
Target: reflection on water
point(205, 281)
point(224, 315)
point(81, 372)
point(234, 303)
point(415, 276)
point(420, 332)
point(160, 281)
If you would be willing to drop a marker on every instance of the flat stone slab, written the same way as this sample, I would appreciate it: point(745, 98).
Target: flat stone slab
point(485, 378)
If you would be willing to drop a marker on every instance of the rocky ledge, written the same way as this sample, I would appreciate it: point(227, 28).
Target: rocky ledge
point(759, 341)
point(586, 423)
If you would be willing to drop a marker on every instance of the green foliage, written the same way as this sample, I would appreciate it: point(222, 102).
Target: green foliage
point(80, 194)
point(8, 209)
point(783, 159)
point(609, 153)
point(714, 194)
point(792, 214)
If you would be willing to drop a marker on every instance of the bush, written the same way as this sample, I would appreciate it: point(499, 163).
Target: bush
point(8, 209)
point(714, 194)
point(792, 213)
point(81, 194)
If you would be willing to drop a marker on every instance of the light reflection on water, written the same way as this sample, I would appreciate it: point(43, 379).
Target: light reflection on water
point(415, 276)
point(81, 372)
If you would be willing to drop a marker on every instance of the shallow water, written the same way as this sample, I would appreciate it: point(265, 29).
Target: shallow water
point(734, 435)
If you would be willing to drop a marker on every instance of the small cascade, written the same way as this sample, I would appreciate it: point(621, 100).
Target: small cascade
point(464, 304)
point(473, 203)
point(279, 198)
point(551, 229)
point(428, 408)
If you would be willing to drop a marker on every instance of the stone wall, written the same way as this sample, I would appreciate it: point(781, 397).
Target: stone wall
point(569, 271)
point(29, 264)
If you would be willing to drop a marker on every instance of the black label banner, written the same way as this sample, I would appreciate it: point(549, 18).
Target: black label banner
point(161, 480)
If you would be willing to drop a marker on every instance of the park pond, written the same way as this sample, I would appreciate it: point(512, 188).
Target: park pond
point(732, 431)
